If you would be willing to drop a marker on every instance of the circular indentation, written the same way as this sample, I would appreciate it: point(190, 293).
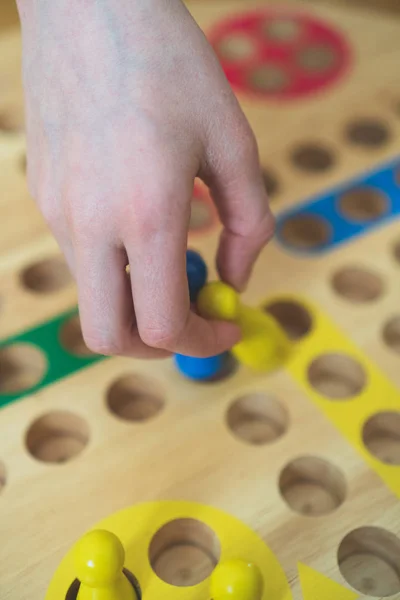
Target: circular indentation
point(369, 133)
point(312, 158)
point(269, 78)
point(396, 251)
point(134, 398)
point(292, 317)
point(337, 376)
point(317, 59)
point(312, 486)
point(71, 337)
point(270, 182)
point(381, 435)
point(282, 30)
point(47, 276)
point(200, 215)
point(357, 284)
point(391, 334)
point(22, 366)
point(57, 437)
point(369, 560)
point(3, 476)
point(184, 552)
point(305, 232)
point(257, 418)
point(236, 47)
point(9, 123)
point(363, 204)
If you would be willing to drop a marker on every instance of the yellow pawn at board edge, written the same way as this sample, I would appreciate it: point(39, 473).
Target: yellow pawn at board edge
point(236, 579)
point(99, 561)
point(264, 345)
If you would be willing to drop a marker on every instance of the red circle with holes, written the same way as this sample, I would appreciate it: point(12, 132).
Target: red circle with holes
point(280, 54)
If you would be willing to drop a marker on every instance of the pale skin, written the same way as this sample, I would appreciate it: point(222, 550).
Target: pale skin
point(126, 104)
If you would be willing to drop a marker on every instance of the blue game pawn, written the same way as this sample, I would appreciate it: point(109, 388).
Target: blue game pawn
point(200, 369)
point(197, 273)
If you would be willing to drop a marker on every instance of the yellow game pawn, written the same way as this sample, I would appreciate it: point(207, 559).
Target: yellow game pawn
point(99, 559)
point(264, 345)
point(236, 580)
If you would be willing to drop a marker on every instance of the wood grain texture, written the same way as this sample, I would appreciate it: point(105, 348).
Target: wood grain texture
point(157, 436)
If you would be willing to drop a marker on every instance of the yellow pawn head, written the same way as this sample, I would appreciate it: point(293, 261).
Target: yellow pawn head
point(99, 558)
point(217, 300)
point(236, 580)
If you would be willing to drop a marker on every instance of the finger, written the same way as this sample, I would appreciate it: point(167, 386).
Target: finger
point(239, 193)
point(105, 303)
point(157, 257)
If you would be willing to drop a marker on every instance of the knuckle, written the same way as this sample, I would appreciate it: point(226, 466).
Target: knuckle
point(165, 338)
point(103, 344)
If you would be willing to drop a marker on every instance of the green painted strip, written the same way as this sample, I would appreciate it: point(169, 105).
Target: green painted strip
point(60, 362)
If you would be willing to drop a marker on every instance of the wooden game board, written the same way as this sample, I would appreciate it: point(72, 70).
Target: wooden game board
point(307, 457)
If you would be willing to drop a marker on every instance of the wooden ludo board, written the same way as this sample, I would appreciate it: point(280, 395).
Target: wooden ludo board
point(307, 457)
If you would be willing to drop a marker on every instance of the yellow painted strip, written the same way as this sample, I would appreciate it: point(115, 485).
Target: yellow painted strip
point(348, 415)
point(315, 586)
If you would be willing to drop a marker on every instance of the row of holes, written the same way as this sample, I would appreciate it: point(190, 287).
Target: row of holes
point(359, 285)
point(307, 157)
point(310, 485)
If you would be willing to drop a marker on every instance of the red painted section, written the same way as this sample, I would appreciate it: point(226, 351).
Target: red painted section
point(281, 53)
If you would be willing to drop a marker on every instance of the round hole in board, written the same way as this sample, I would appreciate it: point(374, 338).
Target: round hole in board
point(282, 30)
point(312, 486)
point(257, 418)
point(391, 334)
point(369, 560)
point(57, 437)
point(135, 398)
point(317, 59)
point(337, 376)
point(381, 435)
point(396, 251)
point(46, 276)
point(312, 158)
point(305, 232)
point(236, 47)
point(3, 476)
point(184, 552)
point(22, 367)
point(271, 182)
point(363, 204)
point(269, 78)
point(292, 317)
point(367, 133)
point(10, 123)
point(71, 337)
point(357, 284)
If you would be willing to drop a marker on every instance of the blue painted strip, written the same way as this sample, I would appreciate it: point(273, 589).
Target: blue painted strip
point(327, 208)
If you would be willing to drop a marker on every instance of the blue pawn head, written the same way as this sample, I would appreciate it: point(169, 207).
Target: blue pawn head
point(197, 273)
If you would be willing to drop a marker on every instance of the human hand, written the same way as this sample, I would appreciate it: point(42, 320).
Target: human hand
point(126, 104)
